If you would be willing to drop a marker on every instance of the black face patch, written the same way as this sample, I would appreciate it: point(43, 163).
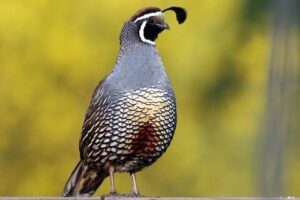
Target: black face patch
point(150, 27)
point(151, 31)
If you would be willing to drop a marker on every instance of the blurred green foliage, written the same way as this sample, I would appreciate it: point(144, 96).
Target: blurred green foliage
point(53, 53)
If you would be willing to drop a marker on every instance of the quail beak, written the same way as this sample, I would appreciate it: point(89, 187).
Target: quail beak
point(164, 26)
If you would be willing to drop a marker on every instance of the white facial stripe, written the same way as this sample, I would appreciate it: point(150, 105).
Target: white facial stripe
point(148, 15)
point(141, 34)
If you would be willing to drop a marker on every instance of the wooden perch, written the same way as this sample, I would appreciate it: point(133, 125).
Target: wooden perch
point(146, 198)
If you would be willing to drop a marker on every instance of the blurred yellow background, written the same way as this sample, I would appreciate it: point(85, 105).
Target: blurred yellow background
point(53, 54)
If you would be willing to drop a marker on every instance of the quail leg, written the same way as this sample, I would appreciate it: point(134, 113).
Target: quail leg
point(134, 190)
point(113, 192)
point(112, 181)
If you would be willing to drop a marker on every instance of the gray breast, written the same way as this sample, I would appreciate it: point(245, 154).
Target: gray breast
point(137, 68)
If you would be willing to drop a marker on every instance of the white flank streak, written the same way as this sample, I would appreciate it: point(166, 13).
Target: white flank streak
point(90, 154)
point(148, 15)
point(96, 154)
point(92, 141)
point(86, 135)
point(141, 34)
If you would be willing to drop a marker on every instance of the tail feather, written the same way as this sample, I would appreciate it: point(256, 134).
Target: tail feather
point(83, 181)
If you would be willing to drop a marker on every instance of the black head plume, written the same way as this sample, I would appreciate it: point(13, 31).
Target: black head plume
point(180, 13)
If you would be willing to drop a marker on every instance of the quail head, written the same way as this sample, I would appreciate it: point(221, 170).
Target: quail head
point(131, 118)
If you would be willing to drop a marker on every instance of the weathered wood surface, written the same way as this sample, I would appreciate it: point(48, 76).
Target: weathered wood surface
point(148, 198)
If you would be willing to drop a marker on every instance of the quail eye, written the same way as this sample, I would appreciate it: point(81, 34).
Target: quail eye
point(151, 20)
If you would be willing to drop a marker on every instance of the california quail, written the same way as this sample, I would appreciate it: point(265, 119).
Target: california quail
point(132, 115)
